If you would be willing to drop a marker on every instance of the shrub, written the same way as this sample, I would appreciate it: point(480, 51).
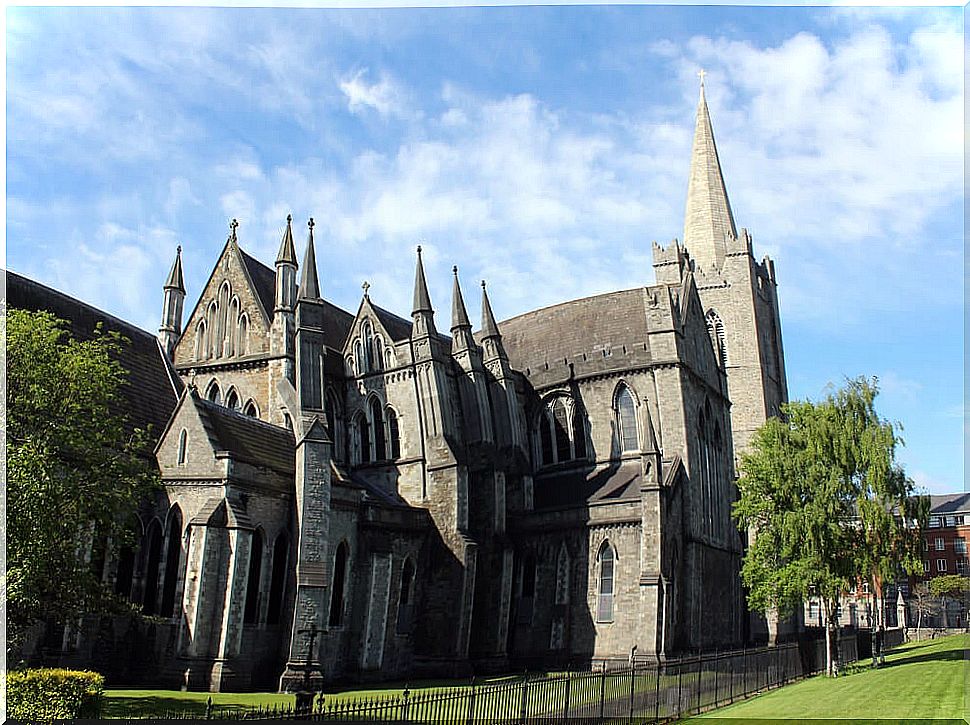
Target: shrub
point(53, 694)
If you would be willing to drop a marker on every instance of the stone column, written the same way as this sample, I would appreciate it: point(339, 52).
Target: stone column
point(313, 481)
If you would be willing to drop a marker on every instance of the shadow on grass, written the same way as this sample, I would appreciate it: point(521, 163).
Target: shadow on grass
point(155, 706)
point(938, 656)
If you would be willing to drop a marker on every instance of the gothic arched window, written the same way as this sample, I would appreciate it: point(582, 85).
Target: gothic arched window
point(626, 420)
point(173, 562)
point(232, 399)
point(277, 583)
point(339, 582)
point(213, 394)
point(251, 610)
point(183, 445)
point(393, 434)
point(378, 359)
point(404, 605)
point(250, 409)
point(335, 423)
point(362, 438)
point(368, 348)
point(201, 341)
point(604, 605)
point(715, 329)
point(561, 431)
point(359, 358)
point(242, 344)
point(153, 554)
point(232, 327)
point(377, 425)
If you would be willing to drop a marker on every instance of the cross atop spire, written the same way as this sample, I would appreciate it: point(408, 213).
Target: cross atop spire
point(232, 229)
point(700, 74)
point(366, 288)
point(708, 220)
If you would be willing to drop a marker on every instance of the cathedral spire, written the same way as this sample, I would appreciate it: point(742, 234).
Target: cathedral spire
point(175, 280)
point(708, 220)
point(422, 300)
point(287, 253)
point(309, 285)
point(459, 316)
point(489, 328)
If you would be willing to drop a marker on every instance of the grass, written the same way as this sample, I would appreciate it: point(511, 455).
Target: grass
point(920, 681)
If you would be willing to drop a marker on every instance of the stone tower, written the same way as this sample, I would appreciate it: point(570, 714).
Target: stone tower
point(739, 293)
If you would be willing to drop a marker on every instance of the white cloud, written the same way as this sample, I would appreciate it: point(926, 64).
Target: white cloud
point(385, 96)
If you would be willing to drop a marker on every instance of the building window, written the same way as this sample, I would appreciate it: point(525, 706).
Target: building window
point(626, 420)
point(715, 329)
point(362, 438)
point(251, 611)
point(939, 544)
point(153, 555)
point(232, 399)
point(251, 410)
point(377, 425)
point(393, 434)
point(173, 562)
point(242, 347)
point(958, 520)
point(960, 546)
point(604, 605)
point(339, 582)
point(561, 431)
point(926, 566)
point(926, 544)
point(213, 394)
point(962, 567)
point(404, 606)
point(941, 564)
point(183, 445)
point(277, 583)
point(934, 522)
point(526, 590)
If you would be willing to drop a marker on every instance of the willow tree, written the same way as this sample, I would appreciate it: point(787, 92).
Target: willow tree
point(827, 504)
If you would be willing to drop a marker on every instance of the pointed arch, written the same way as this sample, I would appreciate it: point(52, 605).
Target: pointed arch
point(220, 338)
point(173, 561)
point(715, 328)
point(201, 340)
point(277, 582)
point(359, 366)
point(335, 422)
point(213, 339)
point(560, 427)
point(560, 433)
point(625, 410)
point(232, 399)
point(152, 551)
point(253, 577)
point(378, 361)
point(339, 584)
point(361, 438)
point(405, 606)
point(251, 409)
point(242, 344)
point(368, 336)
point(232, 327)
point(393, 433)
point(183, 447)
point(377, 425)
point(605, 560)
point(212, 392)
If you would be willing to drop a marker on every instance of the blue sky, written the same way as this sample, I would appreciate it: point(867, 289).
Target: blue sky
point(540, 148)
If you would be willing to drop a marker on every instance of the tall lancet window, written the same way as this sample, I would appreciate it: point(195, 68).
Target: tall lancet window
point(626, 420)
point(377, 420)
point(604, 605)
point(715, 328)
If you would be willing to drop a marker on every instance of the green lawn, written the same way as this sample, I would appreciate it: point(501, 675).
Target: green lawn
point(922, 680)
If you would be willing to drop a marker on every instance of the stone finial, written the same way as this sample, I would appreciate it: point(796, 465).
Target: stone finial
point(459, 315)
point(422, 300)
point(309, 284)
point(287, 253)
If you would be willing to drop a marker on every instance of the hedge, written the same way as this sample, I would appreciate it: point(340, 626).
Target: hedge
point(53, 694)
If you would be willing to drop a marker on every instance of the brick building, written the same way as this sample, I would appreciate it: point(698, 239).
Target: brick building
point(552, 488)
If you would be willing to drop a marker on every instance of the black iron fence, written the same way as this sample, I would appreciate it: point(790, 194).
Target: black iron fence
point(644, 691)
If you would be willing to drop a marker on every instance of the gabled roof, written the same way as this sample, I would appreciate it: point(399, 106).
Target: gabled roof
point(264, 282)
point(949, 503)
point(246, 438)
point(153, 387)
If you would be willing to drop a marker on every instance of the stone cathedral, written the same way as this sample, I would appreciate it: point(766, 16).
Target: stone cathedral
point(435, 499)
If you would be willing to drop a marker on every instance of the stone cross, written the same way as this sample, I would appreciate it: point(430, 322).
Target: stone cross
point(701, 75)
point(365, 287)
point(232, 225)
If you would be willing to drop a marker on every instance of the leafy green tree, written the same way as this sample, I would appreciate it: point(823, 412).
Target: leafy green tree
point(75, 470)
point(810, 488)
point(948, 585)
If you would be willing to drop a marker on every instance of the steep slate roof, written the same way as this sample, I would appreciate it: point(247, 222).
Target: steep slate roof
point(577, 488)
point(246, 438)
point(264, 280)
point(153, 387)
point(949, 503)
point(397, 327)
point(570, 329)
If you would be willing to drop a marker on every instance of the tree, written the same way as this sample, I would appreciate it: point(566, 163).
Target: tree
point(75, 470)
point(948, 585)
point(925, 604)
point(810, 486)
